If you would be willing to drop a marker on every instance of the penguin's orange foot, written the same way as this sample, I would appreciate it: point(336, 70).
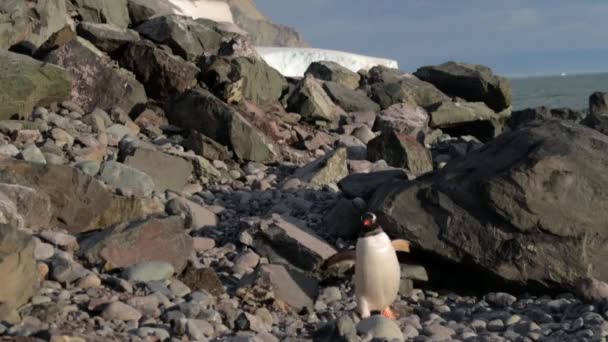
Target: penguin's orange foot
point(388, 313)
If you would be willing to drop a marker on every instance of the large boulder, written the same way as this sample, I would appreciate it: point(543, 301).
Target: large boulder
point(106, 37)
point(403, 118)
point(348, 99)
point(113, 12)
point(95, 81)
point(597, 122)
point(528, 208)
point(78, 202)
point(26, 83)
point(522, 117)
point(326, 170)
point(332, 71)
point(162, 74)
point(598, 103)
point(30, 23)
point(310, 100)
point(188, 38)
point(402, 151)
point(465, 118)
point(475, 83)
point(126, 244)
point(408, 89)
point(244, 78)
point(20, 275)
point(200, 110)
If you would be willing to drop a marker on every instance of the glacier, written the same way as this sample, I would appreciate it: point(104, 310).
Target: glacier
point(293, 62)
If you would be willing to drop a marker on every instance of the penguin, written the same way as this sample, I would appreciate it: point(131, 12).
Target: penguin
point(377, 270)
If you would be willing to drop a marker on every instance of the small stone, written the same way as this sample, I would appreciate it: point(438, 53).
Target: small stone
point(43, 269)
point(89, 281)
point(148, 271)
point(9, 150)
point(514, 319)
point(121, 312)
point(380, 327)
point(66, 241)
point(38, 300)
point(62, 138)
point(496, 325)
point(178, 288)
point(438, 332)
point(90, 167)
point(202, 244)
point(199, 330)
point(501, 299)
point(42, 250)
point(246, 262)
point(159, 333)
point(33, 154)
point(331, 294)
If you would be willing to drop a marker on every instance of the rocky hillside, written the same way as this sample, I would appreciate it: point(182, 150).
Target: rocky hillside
point(159, 181)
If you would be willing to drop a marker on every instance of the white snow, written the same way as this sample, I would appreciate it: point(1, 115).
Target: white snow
point(293, 62)
point(212, 10)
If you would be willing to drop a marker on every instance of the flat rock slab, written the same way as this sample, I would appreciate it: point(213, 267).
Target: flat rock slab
point(168, 172)
point(155, 239)
point(79, 202)
point(286, 285)
point(289, 238)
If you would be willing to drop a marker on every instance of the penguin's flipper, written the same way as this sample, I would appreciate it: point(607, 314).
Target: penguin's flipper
point(401, 245)
point(340, 256)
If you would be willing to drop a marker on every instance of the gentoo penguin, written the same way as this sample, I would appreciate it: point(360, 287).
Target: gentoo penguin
point(377, 270)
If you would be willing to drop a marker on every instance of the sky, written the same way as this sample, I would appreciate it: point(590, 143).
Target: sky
point(513, 37)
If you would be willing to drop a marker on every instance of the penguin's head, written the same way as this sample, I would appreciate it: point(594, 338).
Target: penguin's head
point(368, 221)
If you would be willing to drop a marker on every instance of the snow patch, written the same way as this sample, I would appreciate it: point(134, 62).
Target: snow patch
point(293, 62)
point(212, 10)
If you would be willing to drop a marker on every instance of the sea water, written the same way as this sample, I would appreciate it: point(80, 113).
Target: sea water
point(570, 91)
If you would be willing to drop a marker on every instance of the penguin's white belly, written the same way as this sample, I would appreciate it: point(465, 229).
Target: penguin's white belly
point(377, 272)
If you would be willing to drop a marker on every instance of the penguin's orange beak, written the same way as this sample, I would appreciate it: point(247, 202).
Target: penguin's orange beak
point(367, 222)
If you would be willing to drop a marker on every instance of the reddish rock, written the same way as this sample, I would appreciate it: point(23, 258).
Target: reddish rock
point(155, 239)
point(162, 74)
point(95, 82)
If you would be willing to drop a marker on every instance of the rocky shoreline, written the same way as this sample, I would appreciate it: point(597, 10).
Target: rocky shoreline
point(160, 182)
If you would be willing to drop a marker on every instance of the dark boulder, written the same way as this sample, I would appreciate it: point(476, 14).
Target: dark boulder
point(348, 99)
point(402, 151)
point(527, 208)
point(199, 110)
point(475, 83)
point(408, 89)
point(95, 81)
point(598, 103)
point(162, 74)
point(334, 72)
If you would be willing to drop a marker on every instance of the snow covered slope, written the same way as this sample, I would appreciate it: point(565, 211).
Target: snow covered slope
point(293, 62)
point(213, 10)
